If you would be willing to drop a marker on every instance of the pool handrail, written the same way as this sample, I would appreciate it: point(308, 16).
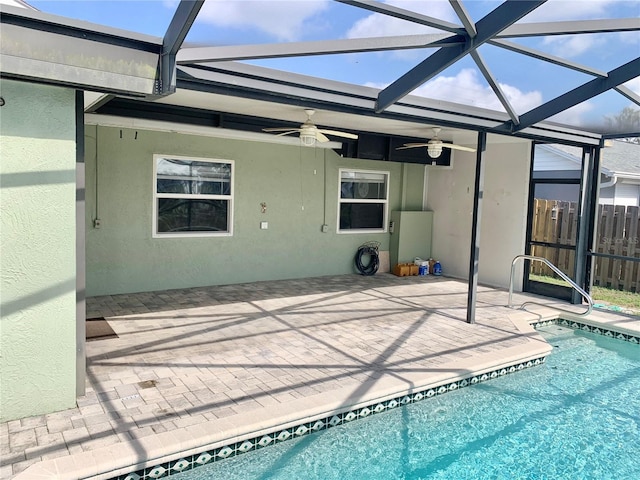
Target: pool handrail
point(573, 284)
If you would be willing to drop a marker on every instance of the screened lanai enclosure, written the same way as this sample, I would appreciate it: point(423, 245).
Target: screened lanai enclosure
point(260, 86)
point(210, 145)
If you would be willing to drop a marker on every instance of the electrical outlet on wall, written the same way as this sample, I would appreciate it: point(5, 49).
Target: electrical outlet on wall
point(97, 223)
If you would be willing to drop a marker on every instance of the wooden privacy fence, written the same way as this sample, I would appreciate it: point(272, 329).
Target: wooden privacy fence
point(556, 222)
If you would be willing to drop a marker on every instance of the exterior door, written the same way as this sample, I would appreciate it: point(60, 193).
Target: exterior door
point(552, 234)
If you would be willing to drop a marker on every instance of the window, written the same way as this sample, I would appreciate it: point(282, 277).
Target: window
point(192, 197)
point(362, 205)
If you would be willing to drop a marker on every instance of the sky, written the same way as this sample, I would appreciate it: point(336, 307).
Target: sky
point(526, 82)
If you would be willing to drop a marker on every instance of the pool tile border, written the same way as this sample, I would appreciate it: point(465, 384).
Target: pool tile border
point(598, 330)
point(206, 457)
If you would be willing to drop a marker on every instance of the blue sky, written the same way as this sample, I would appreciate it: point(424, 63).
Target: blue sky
point(526, 82)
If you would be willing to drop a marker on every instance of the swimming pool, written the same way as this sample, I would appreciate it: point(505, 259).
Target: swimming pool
point(576, 416)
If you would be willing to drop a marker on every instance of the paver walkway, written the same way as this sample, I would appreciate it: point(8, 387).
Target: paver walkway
point(184, 357)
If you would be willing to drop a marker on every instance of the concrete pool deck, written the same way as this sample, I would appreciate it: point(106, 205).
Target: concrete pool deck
point(196, 368)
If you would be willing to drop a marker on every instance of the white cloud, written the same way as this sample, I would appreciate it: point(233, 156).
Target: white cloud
point(521, 101)
point(556, 10)
point(568, 46)
point(631, 38)
point(465, 88)
point(377, 24)
point(633, 85)
point(575, 115)
point(283, 20)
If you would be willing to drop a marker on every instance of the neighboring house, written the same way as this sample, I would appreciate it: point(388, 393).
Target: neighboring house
point(619, 179)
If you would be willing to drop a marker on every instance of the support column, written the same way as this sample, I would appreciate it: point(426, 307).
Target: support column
point(474, 256)
point(586, 219)
point(81, 310)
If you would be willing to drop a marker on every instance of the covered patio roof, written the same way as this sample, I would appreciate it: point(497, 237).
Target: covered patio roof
point(169, 71)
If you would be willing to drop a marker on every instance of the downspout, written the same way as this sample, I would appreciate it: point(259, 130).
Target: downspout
point(610, 183)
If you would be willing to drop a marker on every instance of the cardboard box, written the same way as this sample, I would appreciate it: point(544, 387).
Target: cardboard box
point(405, 269)
point(402, 270)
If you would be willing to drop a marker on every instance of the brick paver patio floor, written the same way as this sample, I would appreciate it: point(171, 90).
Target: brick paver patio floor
point(183, 357)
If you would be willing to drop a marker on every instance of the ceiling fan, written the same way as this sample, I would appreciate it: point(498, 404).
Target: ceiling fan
point(309, 133)
point(435, 145)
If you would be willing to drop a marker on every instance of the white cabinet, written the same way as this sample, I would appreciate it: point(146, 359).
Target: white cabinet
point(411, 236)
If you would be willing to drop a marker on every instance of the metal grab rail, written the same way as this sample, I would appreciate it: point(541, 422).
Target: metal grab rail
point(584, 294)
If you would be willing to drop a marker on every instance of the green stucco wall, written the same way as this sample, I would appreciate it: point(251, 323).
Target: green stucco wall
point(299, 186)
point(37, 257)
point(413, 180)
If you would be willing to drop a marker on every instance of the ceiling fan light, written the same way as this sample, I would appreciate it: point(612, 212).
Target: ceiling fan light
point(307, 139)
point(434, 151)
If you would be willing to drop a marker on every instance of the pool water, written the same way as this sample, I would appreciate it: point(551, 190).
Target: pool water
point(575, 417)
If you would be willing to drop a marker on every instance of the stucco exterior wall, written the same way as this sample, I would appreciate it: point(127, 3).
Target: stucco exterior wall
point(37, 239)
point(504, 212)
point(299, 186)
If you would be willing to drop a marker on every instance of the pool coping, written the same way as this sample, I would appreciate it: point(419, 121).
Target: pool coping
point(168, 453)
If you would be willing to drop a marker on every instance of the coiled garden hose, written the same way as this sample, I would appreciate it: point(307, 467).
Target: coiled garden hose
point(370, 250)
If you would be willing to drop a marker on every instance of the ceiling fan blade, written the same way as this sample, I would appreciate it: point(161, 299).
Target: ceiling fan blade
point(338, 133)
point(321, 137)
point(458, 147)
point(412, 145)
point(286, 133)
point(280, 129)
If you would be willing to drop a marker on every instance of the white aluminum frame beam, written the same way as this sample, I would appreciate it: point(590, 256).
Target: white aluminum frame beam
point(464, 17)
point(537, 54)
point(49, 49)
point(539, 29)
point(325, 47)
point(630, 94)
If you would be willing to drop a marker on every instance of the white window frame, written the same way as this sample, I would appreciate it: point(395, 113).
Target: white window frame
point(385, 201)
point(156, 196)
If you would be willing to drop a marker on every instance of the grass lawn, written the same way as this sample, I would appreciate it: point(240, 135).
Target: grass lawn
point(606, 297)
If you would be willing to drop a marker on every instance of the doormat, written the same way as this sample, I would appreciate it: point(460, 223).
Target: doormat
point(99, 329)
